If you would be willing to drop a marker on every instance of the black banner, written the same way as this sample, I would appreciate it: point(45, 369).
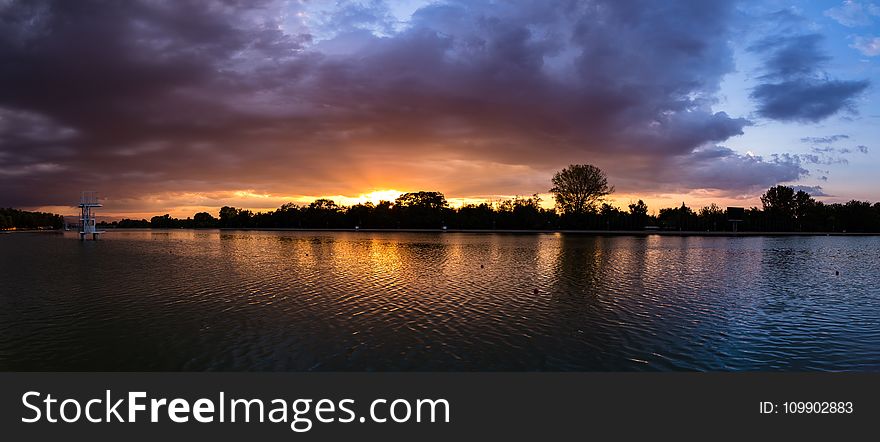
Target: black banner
point(463, 406)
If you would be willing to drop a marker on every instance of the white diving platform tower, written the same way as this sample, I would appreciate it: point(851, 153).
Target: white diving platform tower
point(87, 202)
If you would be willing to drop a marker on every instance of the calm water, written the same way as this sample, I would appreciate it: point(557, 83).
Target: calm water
point(211, 300)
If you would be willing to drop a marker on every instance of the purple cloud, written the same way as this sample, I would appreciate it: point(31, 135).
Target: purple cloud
point(143, 97)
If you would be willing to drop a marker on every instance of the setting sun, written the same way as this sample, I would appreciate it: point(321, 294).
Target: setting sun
point(379, 195)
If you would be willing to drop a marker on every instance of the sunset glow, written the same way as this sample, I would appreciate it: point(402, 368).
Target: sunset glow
point(379, 195)
point(277, 102)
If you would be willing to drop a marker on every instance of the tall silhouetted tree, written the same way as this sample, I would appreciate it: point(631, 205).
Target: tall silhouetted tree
point(638, 212)
point(803, 205)
point(579, 187)
point(779, 206)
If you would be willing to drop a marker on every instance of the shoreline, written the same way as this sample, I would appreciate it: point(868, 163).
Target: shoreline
point(497, 231)
point(562, 231)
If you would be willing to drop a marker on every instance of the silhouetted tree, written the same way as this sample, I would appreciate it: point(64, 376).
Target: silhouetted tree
point(360, 214)
point(803, 205)
point(612, 217)
point(20, 219)
point(383, 216)
point(578, 188)
point(680, 218)
point(231, 217)
point(857, 216)
point(522, 213)
point(638, 213)
point(126, 223)
point(421, 209)
point(227, 216)
point(428, 200)
point(712, 218)
point(323, 213)
point(476, 216)
point(783, 209)
point(204, 220)
point(288, 215)
point(779, 205)
point(161, 222)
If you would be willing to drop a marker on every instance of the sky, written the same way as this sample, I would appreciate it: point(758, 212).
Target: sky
point(182, 106)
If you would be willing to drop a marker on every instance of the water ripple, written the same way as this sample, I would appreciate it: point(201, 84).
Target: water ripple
point(210, 300)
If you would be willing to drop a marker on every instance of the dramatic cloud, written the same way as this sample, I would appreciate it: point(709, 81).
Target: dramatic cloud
point(145, 98)
point(795, 88)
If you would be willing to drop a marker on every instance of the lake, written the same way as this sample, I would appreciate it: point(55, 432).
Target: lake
point(390, 301)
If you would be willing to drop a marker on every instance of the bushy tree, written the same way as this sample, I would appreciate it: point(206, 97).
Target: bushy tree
point(779, 206)
point(638, 213)
point(21, 219)
point(578, 188)
point(679, 218)
point(421, 210)
point(203, 220)
point(712, 218)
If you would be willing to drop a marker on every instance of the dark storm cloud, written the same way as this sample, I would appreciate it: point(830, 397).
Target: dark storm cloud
point(794, 87)
point(136, 98)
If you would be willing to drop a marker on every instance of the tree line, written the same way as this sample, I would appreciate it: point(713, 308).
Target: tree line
point(524, 213)
point(578, 190)
point(783, 210)
point(20, 219)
